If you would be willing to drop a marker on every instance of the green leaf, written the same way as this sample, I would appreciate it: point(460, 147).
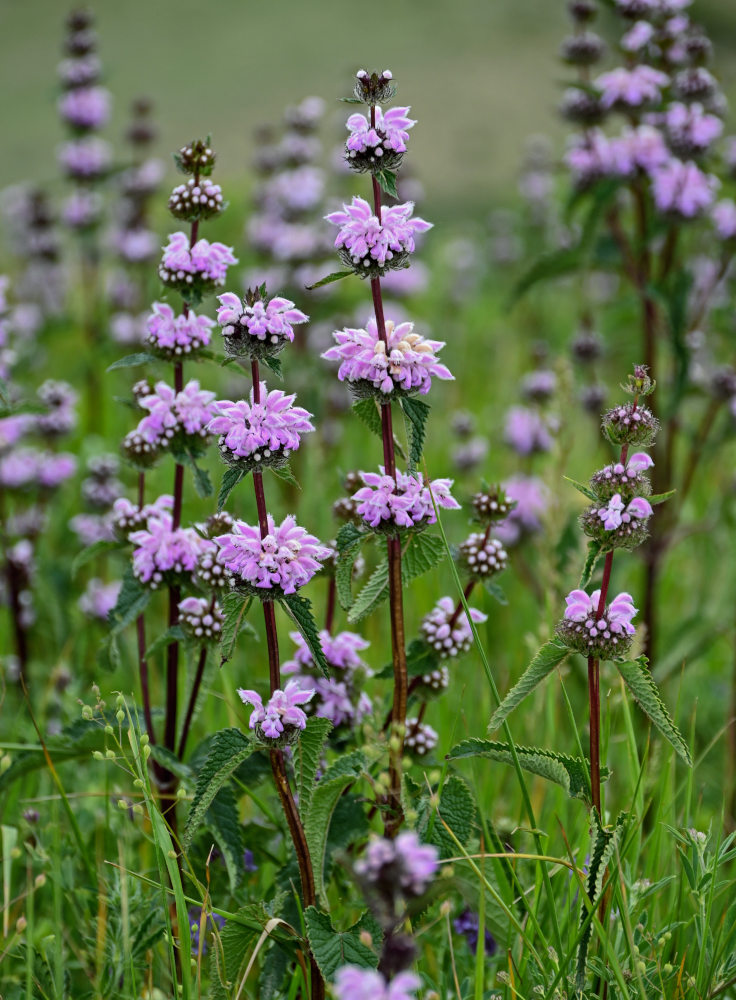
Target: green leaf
point(284, 473)
point(420, 659)
point(229, 749)
point(223, 820)
point(387, 180)
point(373, 593)
point(549, 656)
point(457, 808)
point(639, 681)
point(325, 796)
point(422, 554)
point(496, 592)
point(170, 636)
point(90, 552)
point(328, 279)
point(348, 541)
point(132, 601)
point(274, 364)
point(661, 497)
point(603, 848)
point(351, 100)
point(571, 773)
point(299, 610)
point(368, 412)
point(416, 412)
point(582, 488)
point(171, 762)
point(202, 481)
point(229, 481)
point(594, 551)
point(235, 608)
point(332, 948)
point(238, 937)
point(307, 755)
point(132, 361)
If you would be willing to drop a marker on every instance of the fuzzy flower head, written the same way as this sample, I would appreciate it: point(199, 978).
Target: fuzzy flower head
point(338, 698)
point(682, 189)
point(163, 553)
point(618, 524)
point(85, 109)
point(282, 717)
point(527, 431)
point(691, 130)
point(724, 219)
point(354, 983)
point(403, 866)
point(256, 434)
point(196, 199)
point(419, 738)
point(176, 414)
point(388, 504)
point(99, 598)
point(405, 363)
point(371, 247)
point(449, 635)
point(380, 146)
point(173, 336)
point(631, 89)
point(628, 479)
point(128, 517)
point(194, 270)
point(531, 500)
point(201, 619)
point(286, 559)
point(482, 556)
point(630, 424)
point(85, 159)
point(608, 637)
point(255, 328)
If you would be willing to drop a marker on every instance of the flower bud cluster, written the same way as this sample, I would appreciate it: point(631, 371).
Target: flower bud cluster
point(374, 88)
point(492, 504)
point(630, 424)
point(197, 157)
point(482, 556)
point(606, 637)
point(419, 738)
point(255, 327)
point(448, 633)
point(196, 199)
point(201, 619)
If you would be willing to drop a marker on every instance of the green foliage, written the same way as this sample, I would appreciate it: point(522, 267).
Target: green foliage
point(328, 279)
point(594, 551)
point(93, 551)
point(229, 481)
point(456, 809)
point(639, 681)
point(299, 610)
point(235, 608)
point(132, 361)
point(496, 591)
point(368, 412)
point(132, 601)
point(171, 635)
point(387, 180)
point(307, 756)
point(605, 844)
point(274, 364)
point(416, 412)
point(229, 749)
point(332, 948)
point(223, 820)
point(420, 553)
point(549, 656)
point(237, 937)
point(587, 492)
point(348, 541)
point(284, 473)
point(373, 593)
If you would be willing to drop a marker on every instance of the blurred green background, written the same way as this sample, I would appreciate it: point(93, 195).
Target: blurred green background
point(481, 75)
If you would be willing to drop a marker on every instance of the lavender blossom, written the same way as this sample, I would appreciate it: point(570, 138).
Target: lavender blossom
point(337, 698)
point(404, 865)
point(625, 479)
point(404, 364)
point(388, 504)
point(371, 247)
point(254, 328)
point(282, 714)
point(171, 413)
point(482, 556)
point(618, 524)
point(682, 189)
point(287, 558)
point(630, 424)
point(196, 269)
point(163, 553)
point(606, 638)
point(175, 336)
point(447, 637)
point(201, 619)
point(526, 431)
point(380, 146)
point(631, 88)
point(468, 924)
point(419, 738)
point(85, 159)
point(353, 983)
point(99, 598)
point(85, 108)
point(196, 199)
point(723, 215)
point(531, 498)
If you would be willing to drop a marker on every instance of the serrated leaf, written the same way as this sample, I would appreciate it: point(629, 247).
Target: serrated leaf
point(373, 593)
point(571, 773)
point(90, 552)
point(223, 821)
point(238, 937)
point(639, 681)
point(332, 949)
point(229, 481)
point(457, 809)
point(602, 850)
point(234, 608)
point(275, 365)
point(328, 279)
point(551, 653)
point(170, 636)
point(594, 551)
point(420, 659)
point(132, 601)
point(132, 361)
point(582, 488)
point(171, 762)
point(416, 411)
point(368, 412)
point(307, 756)
point(661, 497)
point(299, 610)
point(286, 475)
point(348, 542)
point(422, 554)
point(387, 180)
point(202, 481)
point(325, 796)
point(496, 592)
point(229, 749)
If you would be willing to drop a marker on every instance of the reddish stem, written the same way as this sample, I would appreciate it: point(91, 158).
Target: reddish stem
point(331, 601)
point(201, 663)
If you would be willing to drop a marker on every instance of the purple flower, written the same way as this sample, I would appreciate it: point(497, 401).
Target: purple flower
point(370, 246)
point(409, 864)
point(336, 698)
point(637, 37)
point(293, 191)
point(690, 129)
point(468, 924)
point(127, 516)
point(176, 335)
point(202, 266)
point(604, 637)
point(287, 558)
point(724, 219)
point(526, 431)
point(391, 130)
point(85, 159)
point(82, 209)
point(353, 983)
point(419, 738)
point(447, 638)
point(406, 361)
point(55, 469)
point(281, 710)
point(616, 512)
point(270, 322)
point(682, 189)
point(91, 528)
point(99, 598)
point(631, 88)
point(85, 108)
point(161, 549)
point(13, 428)
point(405, 502)
point(79, 72)
point(213, 920)
point(135, 245)
point(532, 498)
point(169, 413)
point(262, 433)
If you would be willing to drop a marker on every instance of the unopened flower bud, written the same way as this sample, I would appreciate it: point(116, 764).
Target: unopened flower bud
point(40, 881)
point(20, 925)
point(582, 49)
point(630, 424)
point(196, 158)
point(98, 755)
point(87, 713)
point(374, 88)
point(120, 715)
point(110, 754)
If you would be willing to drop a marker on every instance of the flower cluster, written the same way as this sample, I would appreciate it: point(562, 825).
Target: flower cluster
point(197, 269)
point(625, 479)
point(618, 524)
point(630, 423)
point(527, 431)
point(282, 715)
point(403, 865)
point(264, 433)
point(99, 598)
point(287, 558)
point(163, 553)
point(370, 246)
point(447, 632)
point(354, 983)
point(174, 414)
point(338, 698)
point(388, 504)
point(419, 738)
point(605, 637)
point(406, 362)
point(530, 497)
point(483, 556)
point(174, 337)
point(492, 504)
point(255, 328)
point(196, 199)
point(378, 146)
point(201, 619)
